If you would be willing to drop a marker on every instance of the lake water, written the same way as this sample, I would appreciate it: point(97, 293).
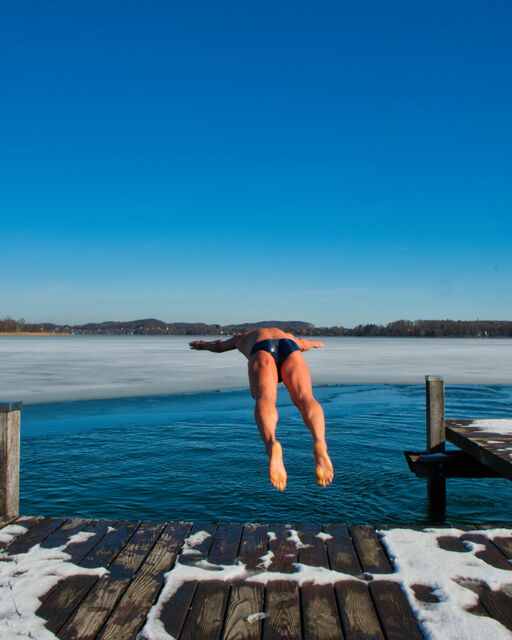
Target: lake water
point(196, 454)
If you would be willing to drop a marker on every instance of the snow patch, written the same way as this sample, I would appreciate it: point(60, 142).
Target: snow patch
point(25, 578)
point(323, 536)
point(418, 559)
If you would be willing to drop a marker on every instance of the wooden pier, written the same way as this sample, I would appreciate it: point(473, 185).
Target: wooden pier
point(485, 450)
point(138, 554)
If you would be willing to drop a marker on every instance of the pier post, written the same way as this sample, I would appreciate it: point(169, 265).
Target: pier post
point(436, 487)
point(9, 458)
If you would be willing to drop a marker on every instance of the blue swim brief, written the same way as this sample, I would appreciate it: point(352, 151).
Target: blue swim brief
point(279, 349)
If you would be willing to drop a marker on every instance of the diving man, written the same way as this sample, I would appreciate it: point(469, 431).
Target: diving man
point(276, 356)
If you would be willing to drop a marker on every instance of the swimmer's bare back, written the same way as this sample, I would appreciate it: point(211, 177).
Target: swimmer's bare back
point(244, 342)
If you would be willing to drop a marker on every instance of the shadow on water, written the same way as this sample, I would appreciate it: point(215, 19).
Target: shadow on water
point(199, 456)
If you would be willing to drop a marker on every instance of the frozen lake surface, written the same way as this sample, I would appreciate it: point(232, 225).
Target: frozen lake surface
point(55, 368)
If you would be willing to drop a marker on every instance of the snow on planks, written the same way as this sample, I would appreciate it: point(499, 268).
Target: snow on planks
point(250, 581)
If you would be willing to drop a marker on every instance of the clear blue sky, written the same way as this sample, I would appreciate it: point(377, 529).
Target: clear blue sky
point(335, 162)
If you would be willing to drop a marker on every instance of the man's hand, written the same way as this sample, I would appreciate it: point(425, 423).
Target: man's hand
point(306, 345)
point(197, 344)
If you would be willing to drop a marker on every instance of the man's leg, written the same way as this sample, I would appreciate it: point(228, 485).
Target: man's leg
point(263, 381)
point(296, 377)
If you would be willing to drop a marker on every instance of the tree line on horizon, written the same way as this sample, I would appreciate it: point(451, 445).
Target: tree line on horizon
point(151, 326)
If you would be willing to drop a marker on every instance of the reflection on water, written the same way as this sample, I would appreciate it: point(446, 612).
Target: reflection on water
point(199, 456)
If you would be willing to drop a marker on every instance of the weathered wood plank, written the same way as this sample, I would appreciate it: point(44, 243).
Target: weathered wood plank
point(394, 612)
point(98, 551)
point(283, 548)
point(130, 613)
point(246, 599)
point(319, 609)
point(475, 442)
point(282, 603)
point(314, 553)
point(371, 554)
point(504, 545)
point(86, 622)
point(61, 536)
point(340, 550)
point(24, 521)
point(491, 554)
point(319, 612)
point(499, 606)
point(206, 616)
point(174, 611)
point(282, 608)
point(35, 535)
point(358, 615)
point(254, 545)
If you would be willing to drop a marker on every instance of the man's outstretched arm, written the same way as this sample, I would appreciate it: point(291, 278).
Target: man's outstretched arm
point(306, 345)
point(217, 346)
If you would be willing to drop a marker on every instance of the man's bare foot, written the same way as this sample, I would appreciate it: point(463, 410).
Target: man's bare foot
point(323, 465)
point(276, 469)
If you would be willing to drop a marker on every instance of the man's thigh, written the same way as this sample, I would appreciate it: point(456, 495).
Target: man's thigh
point(263, 375)
point(296, 376)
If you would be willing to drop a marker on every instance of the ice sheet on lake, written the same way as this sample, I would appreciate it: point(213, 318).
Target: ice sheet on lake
point(53, 369)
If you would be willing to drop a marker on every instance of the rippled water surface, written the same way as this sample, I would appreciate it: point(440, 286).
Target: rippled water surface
point(199, 456)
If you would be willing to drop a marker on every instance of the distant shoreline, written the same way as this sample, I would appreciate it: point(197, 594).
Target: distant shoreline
point(33, 333)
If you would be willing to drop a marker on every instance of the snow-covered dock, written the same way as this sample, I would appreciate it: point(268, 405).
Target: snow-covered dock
point(88, 579)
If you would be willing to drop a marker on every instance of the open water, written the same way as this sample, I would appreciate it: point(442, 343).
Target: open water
point(198, 455)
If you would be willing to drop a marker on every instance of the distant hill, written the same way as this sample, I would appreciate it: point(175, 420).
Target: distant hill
point(152, 326)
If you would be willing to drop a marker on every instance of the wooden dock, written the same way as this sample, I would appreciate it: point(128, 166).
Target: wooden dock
point(486, 444)
point(138, 554)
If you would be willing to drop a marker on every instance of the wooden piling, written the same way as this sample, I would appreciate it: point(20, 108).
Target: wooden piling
point(10, 413)
point(436, 487)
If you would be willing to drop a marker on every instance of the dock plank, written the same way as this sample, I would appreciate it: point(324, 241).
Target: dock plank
point(340, 550)
point(394, 612)
point(206, 616)
point(282, 608)
point(485, 445)
point(491, 553)
point(357, 612)
point(282, 600)
point(174, 611)
point(130, 613)
point(86, 622)
point(370, 552)
point(498, 605)
point(36, 534)
point(60, 602)
point(246, 599)
point(318, 602)
point(24, 521)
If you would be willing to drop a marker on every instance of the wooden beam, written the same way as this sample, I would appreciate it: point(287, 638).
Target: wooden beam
point(436, 487)
point(9, 458)
point(448, 464)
